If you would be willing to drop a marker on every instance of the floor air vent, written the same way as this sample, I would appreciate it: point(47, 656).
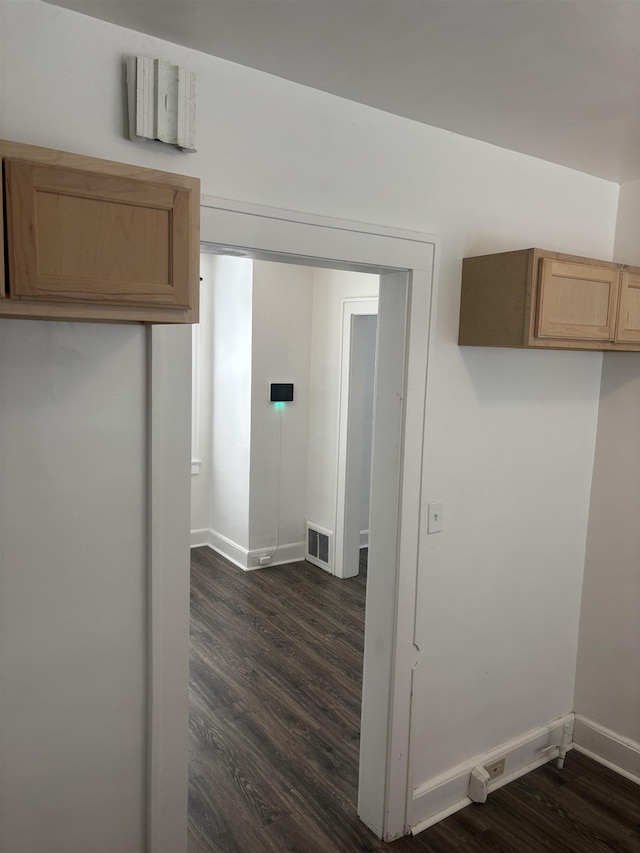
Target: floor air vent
point(319, 546)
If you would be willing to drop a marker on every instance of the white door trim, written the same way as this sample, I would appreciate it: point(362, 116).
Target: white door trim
point(196, 460)
point(351, 307)
point(385, 792)
point(168, 525)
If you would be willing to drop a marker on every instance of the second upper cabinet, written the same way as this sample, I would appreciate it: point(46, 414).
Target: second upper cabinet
point(533, 298)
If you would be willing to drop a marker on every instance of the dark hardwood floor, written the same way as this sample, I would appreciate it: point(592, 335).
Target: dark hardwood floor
point(276, 661)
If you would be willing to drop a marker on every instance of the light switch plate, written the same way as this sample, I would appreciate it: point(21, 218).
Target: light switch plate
point(434, 517)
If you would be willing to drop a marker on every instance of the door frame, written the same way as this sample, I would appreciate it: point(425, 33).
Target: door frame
point(385, 789)
point(357, 306)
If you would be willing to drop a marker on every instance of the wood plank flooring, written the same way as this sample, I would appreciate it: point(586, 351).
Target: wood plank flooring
point(276, 662)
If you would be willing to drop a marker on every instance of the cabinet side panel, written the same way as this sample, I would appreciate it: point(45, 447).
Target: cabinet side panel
point(493, 300)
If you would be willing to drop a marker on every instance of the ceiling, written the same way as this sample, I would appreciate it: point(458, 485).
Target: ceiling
point(558, 79)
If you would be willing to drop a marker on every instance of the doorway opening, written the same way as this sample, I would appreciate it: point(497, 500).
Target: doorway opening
point(404, 261)
point(281, 481)
point(265, 475)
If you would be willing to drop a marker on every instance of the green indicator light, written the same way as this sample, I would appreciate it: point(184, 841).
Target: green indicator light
point(279, 405)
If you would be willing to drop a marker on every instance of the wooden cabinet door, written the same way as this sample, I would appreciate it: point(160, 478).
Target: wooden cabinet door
point(576, 301)
point(79, 235)
point(628, 326)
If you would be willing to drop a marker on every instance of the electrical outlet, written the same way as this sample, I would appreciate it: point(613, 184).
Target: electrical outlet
point(496, 768)
point(434, 516)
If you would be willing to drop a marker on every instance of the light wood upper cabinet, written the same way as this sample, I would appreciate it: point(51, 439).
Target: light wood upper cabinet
point(90, 239)
point(628, 326)
point(539, 299)
point(576, 301)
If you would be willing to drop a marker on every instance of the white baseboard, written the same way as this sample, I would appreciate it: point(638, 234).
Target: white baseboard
point(241, 557)
point(235, 553)
point(293, 552)
point(440, 797)
point(200, 537)
point(364, 538)
point(619, 753)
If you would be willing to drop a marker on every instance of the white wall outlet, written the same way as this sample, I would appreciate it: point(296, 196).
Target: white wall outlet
point(495, 768)
point(434, 517)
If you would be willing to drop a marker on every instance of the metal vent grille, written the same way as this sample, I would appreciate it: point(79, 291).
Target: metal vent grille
point(319, 546)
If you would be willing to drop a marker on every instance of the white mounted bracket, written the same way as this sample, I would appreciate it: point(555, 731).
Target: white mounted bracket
point(565, 743)
point(162, 102)
point(479, 784)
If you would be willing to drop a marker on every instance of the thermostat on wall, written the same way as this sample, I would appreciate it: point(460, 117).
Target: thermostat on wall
point(281, 392)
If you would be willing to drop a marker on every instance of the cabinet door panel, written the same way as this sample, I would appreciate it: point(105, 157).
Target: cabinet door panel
point(576, 301)
point(78, 235)
point(628, 328)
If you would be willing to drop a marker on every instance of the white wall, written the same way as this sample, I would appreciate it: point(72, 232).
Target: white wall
point(330, 288)
point(608, 674)
point(281, 352)
point(73, 583)
point(627, 250)
point(510, 435)
point(1, 64)
point(255, 328)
